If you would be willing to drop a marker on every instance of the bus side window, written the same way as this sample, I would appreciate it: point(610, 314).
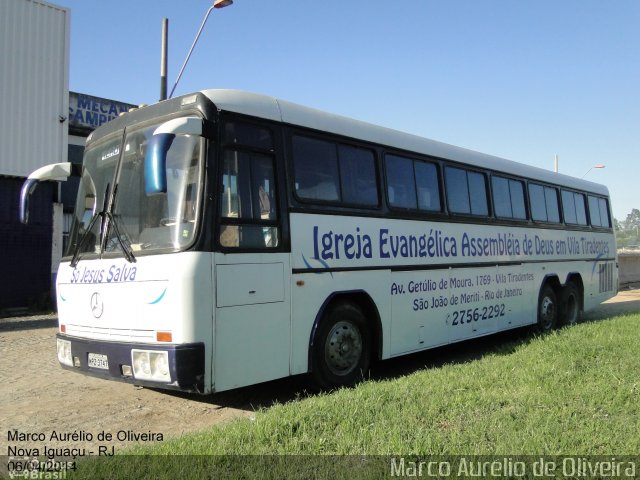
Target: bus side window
point(248, 200)
point(358, 176)
point(569, 207)
point(316, 169)
point(427, 183)
point(466, 191)
point(544, 203)
point(537, 202)
point(553, 208)
point(581, 212)
point(401, 184)
point(334, 172)
point(508, 198)
point(248, 196)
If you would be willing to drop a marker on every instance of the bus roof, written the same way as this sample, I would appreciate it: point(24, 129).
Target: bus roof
point(271, 108)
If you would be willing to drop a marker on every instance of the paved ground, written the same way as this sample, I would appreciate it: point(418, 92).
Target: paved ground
point(39, 397)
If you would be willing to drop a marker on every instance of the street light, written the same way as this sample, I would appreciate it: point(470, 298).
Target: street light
point(216, 4)
point(597, 165)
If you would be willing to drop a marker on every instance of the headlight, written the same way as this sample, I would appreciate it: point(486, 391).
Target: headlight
point(160, 363)
point(64, 352)
point(151, 365)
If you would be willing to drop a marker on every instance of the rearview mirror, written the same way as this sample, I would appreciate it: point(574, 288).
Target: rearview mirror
point(155, 161)
point(54, 171)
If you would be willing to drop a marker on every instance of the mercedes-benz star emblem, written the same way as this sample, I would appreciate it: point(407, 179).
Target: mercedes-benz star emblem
point(97, 307)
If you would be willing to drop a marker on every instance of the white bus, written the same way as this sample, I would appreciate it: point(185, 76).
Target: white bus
point(223, 238)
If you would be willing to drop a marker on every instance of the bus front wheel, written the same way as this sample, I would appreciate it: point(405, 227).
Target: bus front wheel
point(547, 309)
point(341, 351)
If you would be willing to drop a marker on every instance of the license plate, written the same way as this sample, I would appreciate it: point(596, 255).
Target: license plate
point(96, 360)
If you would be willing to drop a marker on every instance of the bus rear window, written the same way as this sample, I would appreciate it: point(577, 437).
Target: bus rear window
point(599, 212)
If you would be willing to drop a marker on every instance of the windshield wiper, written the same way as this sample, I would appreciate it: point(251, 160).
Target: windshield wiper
point(112, 221)
point(126, 246)
point(85, 235)
point(108, 220)
point(83, 240)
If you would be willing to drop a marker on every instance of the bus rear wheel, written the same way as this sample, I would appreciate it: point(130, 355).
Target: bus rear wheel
point(547, 309)
point(341, 351)
point(570, 304)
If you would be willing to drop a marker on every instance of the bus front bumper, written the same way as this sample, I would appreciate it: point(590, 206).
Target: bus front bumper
point(173, 367)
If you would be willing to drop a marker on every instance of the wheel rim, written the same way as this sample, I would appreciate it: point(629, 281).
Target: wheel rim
point(547, 313)
point(343, 348)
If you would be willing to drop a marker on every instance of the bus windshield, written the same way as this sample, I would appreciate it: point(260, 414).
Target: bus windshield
point(112, 188)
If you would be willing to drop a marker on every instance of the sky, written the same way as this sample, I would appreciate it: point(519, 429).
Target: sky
point(524, 80)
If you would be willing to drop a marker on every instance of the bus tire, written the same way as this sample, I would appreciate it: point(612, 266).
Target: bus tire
point(570, 305)
point(341, 351)
point(547, 309)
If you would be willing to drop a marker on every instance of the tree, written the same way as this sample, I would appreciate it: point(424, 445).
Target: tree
point(617, 226)
point(632, 223)
point(628, 231)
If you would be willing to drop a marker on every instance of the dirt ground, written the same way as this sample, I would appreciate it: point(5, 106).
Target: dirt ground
point(39, 397)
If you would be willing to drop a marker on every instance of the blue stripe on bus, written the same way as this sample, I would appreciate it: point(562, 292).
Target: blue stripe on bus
point(159, 299)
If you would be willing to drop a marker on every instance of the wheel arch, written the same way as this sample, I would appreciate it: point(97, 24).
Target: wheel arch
point(362, 300)
point(553, 281)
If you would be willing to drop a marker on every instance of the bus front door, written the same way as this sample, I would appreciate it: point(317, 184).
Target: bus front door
point(252, 316)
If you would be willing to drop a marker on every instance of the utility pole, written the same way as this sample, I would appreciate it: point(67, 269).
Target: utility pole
point(163, 59)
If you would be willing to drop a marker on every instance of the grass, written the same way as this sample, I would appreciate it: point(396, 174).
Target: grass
point(573, 392)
